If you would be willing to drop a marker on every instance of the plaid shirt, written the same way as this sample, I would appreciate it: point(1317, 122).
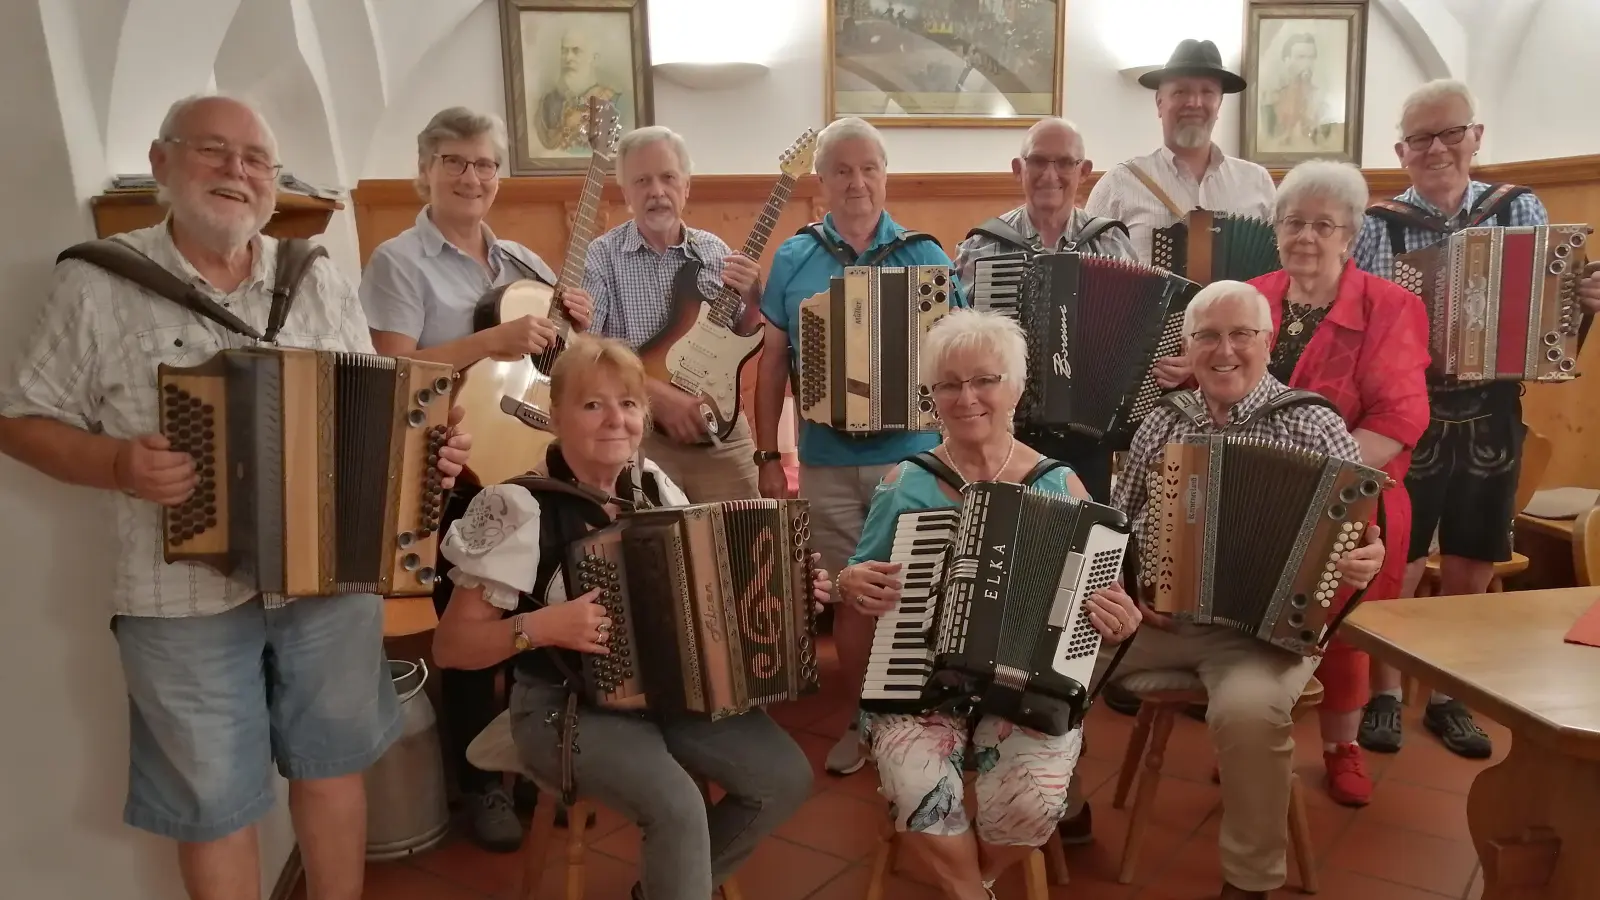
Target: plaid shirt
point(1374, 254)
point(1111, 242)
point(91, 364)
point(1315, 428)
point(632, 284)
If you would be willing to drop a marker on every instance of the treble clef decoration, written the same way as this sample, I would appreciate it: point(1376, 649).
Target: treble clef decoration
point(760, 613)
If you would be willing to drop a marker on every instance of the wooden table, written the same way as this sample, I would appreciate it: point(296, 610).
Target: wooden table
point(1547, 543)
point(1535, 817)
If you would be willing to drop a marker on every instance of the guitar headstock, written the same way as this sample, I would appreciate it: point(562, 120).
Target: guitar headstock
point(601, 127)
point(796, 161)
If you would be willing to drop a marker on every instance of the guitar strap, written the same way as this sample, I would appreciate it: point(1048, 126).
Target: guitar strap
point(1163, 196)
point(296, 256)
point(528, 270)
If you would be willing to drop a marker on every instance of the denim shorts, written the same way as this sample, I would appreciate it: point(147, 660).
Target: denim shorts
point(214, 700)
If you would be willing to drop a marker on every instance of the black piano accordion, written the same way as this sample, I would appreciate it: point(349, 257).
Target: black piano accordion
point(1212, 246)
point(991, 615)
point(1095, 328)
point(861, 349)
point(317, 470)
point(1245, 533)
point(710, 606)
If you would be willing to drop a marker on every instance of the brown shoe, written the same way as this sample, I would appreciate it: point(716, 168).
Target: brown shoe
point(1229, 892)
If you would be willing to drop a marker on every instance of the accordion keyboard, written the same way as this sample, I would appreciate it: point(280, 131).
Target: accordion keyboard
point(997, 283)
point(902, 657)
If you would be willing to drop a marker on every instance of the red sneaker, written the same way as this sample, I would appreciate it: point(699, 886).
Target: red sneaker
point(1348, 783)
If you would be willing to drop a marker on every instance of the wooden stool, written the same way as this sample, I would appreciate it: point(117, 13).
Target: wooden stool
point(1164, 693)
point(493, 750)
point(1050, 856)
point(1504, 569)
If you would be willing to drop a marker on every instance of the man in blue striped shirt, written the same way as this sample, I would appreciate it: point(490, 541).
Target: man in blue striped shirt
point(1464, 472)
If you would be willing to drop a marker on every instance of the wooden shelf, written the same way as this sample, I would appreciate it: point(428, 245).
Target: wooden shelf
point(298, 215)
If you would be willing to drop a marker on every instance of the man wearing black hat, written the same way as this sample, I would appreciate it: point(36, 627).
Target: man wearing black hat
point(1189, 171)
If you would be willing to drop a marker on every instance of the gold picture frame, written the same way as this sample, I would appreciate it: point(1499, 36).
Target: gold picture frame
point(538, 37)
point(953, 63)
point(1305, 63)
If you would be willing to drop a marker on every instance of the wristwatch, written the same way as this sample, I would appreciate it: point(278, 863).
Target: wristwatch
point(519, 635)
point(767, 456)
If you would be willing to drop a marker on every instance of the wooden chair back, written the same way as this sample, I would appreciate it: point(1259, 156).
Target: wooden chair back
point(1586, 547)
point(1536, 452)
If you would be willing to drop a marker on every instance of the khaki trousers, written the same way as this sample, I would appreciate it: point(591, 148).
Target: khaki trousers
point(706, 472)
point(839, 497)
point(1252, 688)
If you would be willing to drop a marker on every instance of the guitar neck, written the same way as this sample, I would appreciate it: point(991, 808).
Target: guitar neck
point(582, 233)
point(726, 306)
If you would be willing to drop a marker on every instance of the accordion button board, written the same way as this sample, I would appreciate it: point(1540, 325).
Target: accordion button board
point(1502, 302)
point(860, 348)
point(1248, 533)
point(1208, 246)
point(318, 471)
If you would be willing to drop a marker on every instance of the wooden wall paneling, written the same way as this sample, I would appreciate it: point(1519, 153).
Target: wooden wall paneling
point(537, 212)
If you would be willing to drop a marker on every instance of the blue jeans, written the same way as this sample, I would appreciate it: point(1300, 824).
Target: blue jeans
point(214, 700)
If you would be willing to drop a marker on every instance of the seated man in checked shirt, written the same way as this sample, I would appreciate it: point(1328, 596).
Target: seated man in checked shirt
point(629, 274)
point(1252, 685)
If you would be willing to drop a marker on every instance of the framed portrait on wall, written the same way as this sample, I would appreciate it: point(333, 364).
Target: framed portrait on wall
point(558, 54)
point(1306, 65)
point(944, 62)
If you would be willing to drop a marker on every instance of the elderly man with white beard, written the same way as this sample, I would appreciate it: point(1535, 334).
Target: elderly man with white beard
point(222, 681)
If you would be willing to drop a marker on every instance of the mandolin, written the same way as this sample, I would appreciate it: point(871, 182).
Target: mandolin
point(707, 341)
point(508, 403)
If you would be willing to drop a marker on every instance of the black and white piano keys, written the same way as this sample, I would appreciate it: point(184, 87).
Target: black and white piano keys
point(902, 655)
point(997, 283)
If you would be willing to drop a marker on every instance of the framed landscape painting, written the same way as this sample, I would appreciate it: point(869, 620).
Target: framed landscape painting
point(945, 62)
point(1306, 65)
point(558, 54)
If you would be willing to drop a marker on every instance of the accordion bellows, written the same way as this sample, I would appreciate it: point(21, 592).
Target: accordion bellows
point(710, 605)
point(1502, 302)
point(860, 349)
point(1247, 533)
point(1211, 246)
point(317, 470)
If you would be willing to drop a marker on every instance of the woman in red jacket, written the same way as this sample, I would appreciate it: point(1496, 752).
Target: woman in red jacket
point(1362, 342)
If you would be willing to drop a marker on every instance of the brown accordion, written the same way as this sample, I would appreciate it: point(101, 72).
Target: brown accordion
point(860, 349)
point(1245, 533)
point(1502, 302)
point(317, 470)
point(710, 606)
point(1211, 246)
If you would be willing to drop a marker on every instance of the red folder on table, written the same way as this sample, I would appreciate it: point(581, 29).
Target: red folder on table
point(1587, 629)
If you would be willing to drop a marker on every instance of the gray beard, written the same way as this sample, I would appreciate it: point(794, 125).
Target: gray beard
point(1192, 137)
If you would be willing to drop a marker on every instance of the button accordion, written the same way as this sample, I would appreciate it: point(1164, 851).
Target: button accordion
point(1247, 533)
point(861, 349)
point(317, 470)
point(1502, 302)
point(1095, 328)
point(1211, 246)
point(992, 608)
point(710, 606)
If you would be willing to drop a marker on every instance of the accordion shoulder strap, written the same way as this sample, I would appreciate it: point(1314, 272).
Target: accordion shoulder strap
point(939, 469)
point(1495, 203)
point(841, 253)
point(124, 261)
point(296, 256)
point(1188, 404)
point(1287, 400)
point(1163, 196)
point(1095, 227)
point(1040, 469)
point(998, 229)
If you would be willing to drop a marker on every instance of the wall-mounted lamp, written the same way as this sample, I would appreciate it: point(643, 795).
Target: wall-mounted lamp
point(710, 76)
point(1134, 73)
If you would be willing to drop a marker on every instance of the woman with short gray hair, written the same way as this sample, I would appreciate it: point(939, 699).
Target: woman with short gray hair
point(975, 365)
point(420, 291)
point(1362, 342)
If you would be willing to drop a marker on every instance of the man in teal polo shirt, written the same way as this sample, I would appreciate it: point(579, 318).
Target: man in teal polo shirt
point(838, 473)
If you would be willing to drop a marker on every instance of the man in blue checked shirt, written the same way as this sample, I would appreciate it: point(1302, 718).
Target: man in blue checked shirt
point(838, 474)
point(1463, 478)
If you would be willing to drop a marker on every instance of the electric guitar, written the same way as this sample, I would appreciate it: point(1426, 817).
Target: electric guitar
point(508, 403)
point(706, 342)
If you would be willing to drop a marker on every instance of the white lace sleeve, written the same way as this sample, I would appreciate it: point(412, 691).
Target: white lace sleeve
point(495, 544)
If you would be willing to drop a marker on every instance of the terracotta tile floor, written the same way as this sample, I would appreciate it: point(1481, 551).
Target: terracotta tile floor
point(1411, 843)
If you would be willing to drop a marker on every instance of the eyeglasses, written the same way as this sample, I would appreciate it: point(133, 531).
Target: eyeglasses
point(950, 390)
point(456, 166)
point(1449, 137)
point(1293, 225)
point(1239, 338)
point(216, 154)
point(1061, 163)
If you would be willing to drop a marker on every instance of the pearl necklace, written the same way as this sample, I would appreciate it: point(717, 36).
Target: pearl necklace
point(998, 472)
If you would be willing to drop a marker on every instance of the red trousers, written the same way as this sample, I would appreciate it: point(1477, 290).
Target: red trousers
point(1344, 676)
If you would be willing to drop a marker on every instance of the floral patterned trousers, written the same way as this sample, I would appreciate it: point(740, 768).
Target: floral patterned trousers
point(1022, 775)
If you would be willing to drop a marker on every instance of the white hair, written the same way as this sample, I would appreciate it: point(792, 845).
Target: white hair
point(1438, 90)
point(987, 334)
point(1047, 123)
point(1216, 292)
point(850, 128)
point(1337, 181)
point(176, 112)
point(639, 138)
point(457, 124)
